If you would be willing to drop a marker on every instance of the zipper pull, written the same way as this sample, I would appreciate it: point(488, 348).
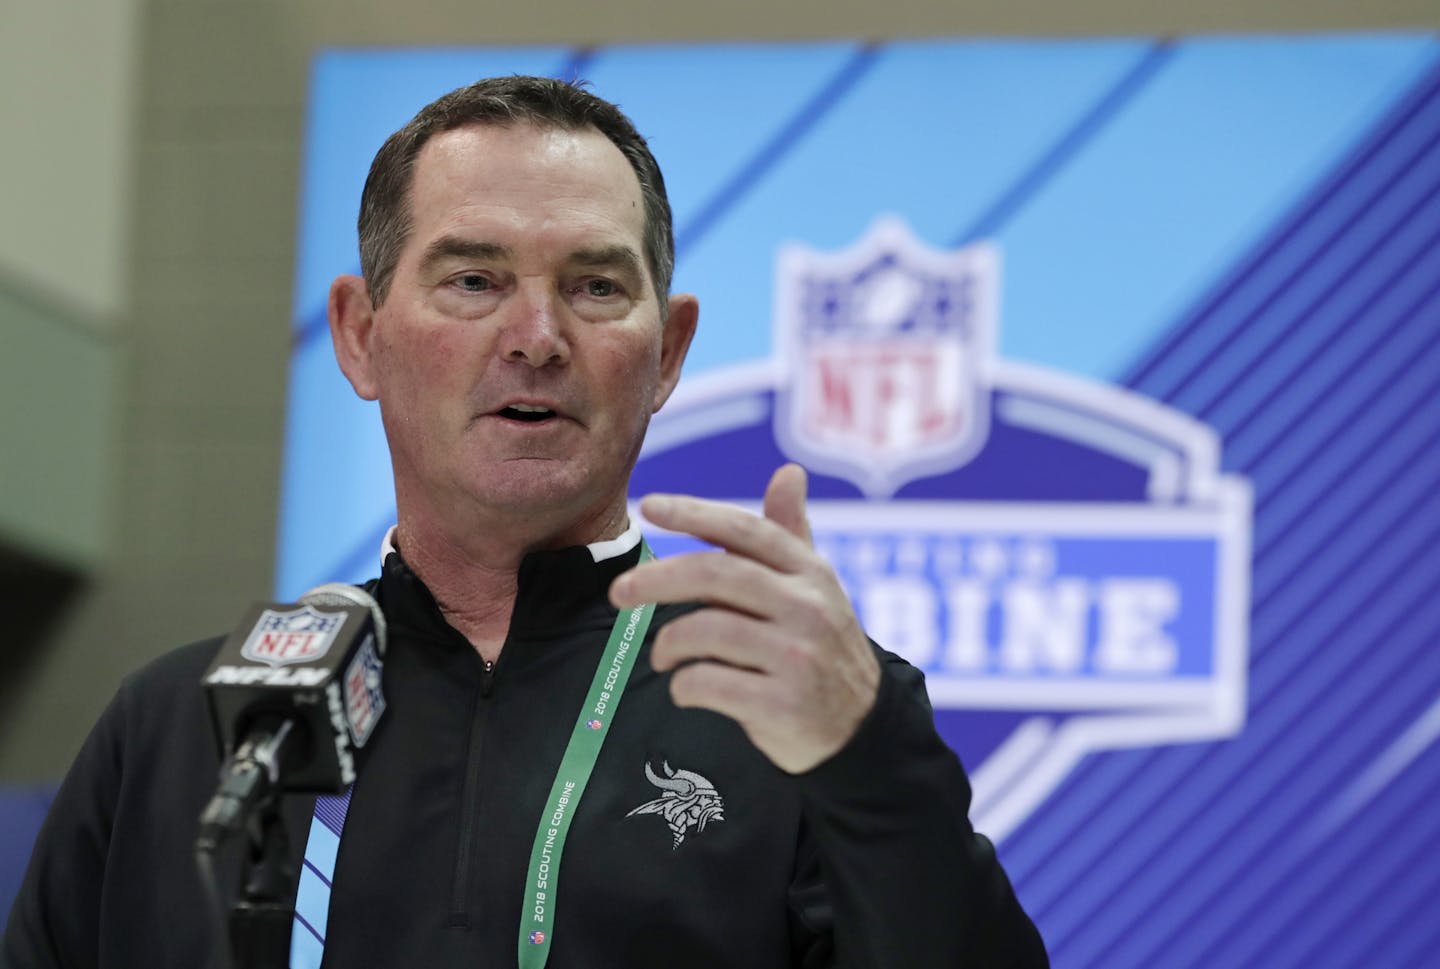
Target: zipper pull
point(487, 678)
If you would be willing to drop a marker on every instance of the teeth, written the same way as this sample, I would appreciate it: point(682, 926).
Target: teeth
point(530, 413)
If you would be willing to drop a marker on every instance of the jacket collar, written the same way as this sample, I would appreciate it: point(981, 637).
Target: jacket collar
point(558, 590)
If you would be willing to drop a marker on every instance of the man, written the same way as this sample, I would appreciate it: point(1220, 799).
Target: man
point(770, 793)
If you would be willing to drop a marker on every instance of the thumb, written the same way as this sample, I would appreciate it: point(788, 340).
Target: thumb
point(785, 500)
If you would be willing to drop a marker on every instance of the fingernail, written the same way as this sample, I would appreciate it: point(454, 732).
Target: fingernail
point(657, 504)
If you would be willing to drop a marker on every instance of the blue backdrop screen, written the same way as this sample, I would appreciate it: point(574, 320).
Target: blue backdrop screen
point(1115, 364)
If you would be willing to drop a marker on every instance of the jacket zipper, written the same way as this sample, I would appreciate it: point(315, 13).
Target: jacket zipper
point(459, 914)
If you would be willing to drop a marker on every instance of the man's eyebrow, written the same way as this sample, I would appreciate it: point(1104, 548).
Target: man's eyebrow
point(624, 258)
point(455, 247)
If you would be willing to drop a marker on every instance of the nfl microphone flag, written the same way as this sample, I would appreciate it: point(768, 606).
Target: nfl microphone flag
point(317, 663)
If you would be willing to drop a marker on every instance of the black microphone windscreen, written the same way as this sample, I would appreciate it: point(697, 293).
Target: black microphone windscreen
point(319, 663)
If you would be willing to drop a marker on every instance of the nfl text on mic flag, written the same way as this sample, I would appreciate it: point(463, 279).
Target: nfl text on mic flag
point(293, 693)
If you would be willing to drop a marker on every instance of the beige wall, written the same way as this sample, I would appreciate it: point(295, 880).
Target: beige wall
point(188, 242)
point(66, 135)
point(68, 118)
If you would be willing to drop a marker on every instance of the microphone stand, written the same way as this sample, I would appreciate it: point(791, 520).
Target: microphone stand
point(263, 915)
point(249, 799)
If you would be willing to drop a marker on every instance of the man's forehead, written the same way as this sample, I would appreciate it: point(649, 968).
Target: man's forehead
point(524, 164)
point(484, 145)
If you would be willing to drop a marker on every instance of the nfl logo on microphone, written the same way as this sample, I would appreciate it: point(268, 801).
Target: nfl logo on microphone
point(282, 637)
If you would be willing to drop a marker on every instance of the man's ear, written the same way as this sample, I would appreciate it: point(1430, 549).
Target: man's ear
point(352, 328)
point(680, 321)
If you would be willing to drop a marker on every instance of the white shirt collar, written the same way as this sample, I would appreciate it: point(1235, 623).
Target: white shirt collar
point(614, 547)
point(599, 551)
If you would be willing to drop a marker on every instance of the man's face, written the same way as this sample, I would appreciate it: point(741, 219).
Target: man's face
point(520, 351)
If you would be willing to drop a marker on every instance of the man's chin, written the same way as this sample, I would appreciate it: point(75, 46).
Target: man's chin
point(548, 492)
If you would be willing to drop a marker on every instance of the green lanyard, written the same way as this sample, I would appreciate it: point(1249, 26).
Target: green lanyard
point(542, 884)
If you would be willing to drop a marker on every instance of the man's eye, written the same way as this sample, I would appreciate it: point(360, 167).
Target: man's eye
point(600, 288)
point(473, 282)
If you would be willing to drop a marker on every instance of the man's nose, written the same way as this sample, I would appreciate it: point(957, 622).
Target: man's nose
point(534, 328)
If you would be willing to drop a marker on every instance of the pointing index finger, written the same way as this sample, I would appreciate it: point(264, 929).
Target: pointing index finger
point(726, 526)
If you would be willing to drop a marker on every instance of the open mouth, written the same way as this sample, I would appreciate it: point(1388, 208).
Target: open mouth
point(526, 413)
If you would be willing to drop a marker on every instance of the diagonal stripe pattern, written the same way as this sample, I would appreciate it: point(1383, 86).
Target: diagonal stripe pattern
point(1318, 362)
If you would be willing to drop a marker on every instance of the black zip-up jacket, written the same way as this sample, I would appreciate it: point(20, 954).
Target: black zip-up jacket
point(866, 861)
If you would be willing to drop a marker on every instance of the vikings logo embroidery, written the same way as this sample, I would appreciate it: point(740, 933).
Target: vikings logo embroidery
point(688, 801)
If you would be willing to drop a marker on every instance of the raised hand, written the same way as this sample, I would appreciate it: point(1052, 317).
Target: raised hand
point(778, 647)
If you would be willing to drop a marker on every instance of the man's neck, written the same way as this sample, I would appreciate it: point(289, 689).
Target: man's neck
point(475, 581)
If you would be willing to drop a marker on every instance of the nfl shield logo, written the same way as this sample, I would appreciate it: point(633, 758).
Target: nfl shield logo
point(888, 344)
point(282, 637)
point(364, 698)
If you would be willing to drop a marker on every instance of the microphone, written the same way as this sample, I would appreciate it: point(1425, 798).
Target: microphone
point(293, 693)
